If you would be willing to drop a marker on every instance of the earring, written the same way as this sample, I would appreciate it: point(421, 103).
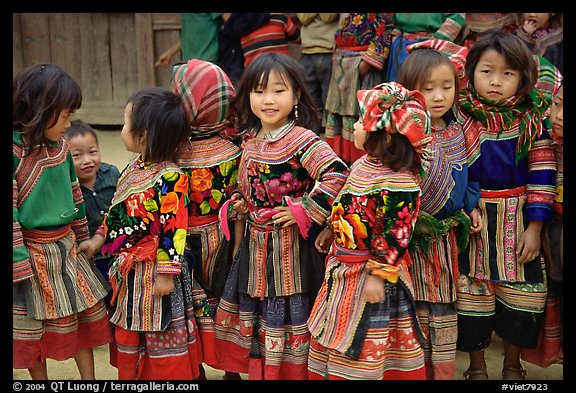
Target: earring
point(296, 111)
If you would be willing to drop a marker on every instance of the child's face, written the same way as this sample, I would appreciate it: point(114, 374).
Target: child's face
point(439, 91)
point(493, 78)
point(131, 143)
point(273, 104)
point(360, 135)
point(557, 113)
point(86, 155)
point(537, 19)
point(56, 132)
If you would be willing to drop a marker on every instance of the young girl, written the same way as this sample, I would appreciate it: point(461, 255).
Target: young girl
point(58, 308)
point(145, 230)
point(362, 44)
point(502, 287)
point(211, 160)
point(287, 181)
point(447, 199)
point(550, 341)
point(363, 322)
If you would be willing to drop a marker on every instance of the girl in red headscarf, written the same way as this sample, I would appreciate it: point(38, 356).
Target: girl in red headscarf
point(363, 322)
point(210, 158)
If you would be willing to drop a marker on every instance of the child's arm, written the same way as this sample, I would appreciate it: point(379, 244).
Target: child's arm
point(529, 243)
point(239, 226)
point(92, 245)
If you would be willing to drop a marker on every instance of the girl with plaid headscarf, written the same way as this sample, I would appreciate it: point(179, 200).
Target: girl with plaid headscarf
point(363, 322)
point(502, 286)
point(210, 158)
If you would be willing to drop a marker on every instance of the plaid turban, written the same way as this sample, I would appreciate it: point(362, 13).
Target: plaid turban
point(456, 53)
point(206, 92)
point(392, 107)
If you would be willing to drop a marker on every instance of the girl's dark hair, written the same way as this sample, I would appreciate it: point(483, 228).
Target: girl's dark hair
point(79, 128)
point(40, 93)
point(517, 54)
point(418, 66)
point(158, 114)
point(394, 150)
point(256, 76)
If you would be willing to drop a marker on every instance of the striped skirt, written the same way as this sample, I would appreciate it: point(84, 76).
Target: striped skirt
point(60, 310)
point(267, 339)
point(386, 344)
point(177, 351)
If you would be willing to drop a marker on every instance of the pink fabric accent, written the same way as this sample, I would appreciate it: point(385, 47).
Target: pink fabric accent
point(301, 215)
point(223, 217)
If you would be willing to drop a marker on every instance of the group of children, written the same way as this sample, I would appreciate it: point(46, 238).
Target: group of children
point(240, 239)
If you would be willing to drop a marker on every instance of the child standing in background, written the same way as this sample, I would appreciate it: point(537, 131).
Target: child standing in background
point(271, 36)
point(363, 323)
point(502, 286)
point(287, 180)
point(210, 159)
point(97, 181)
point(544, 35)
point(550, 348)
point(413, 27)
point(447, 201)
point(58, 311)
point(317, 36)
point(362, 45)
point(145, 230)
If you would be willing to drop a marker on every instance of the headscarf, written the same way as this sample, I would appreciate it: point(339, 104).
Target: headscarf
point(392, 107)
point(395, 109)
point(528, 112)
point(206, 92)
point(456, 53)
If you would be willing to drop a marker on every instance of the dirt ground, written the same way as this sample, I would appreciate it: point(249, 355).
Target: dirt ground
point(113, 152)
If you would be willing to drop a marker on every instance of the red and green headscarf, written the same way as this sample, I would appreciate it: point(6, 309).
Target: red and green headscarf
point(206, 92)
point(391, 107)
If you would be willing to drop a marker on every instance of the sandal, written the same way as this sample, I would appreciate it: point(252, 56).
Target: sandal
point(475, 375)
point(510, 373)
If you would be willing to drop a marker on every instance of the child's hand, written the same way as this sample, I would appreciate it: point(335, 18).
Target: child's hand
point(164, 284)
point(91, 245)
point(284, 218)
point(324, 240)
point(374, 289)
point(529, 243)
point(475, 220)
point(239, 203)
point(529, 26)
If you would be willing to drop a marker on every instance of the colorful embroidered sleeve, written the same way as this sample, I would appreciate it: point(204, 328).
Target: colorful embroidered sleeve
point(21, 267)
point(379, 47)
point(541, 179)
point(451, 27)
point(380, 222)
point(330, 173)
point(173, 222)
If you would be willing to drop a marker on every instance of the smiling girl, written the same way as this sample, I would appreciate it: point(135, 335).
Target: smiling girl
point(287, 180)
